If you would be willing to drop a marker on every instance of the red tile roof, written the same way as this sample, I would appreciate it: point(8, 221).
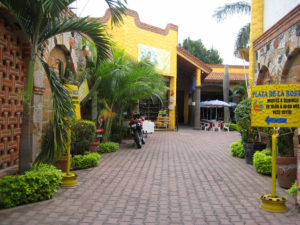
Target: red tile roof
point(218, 77)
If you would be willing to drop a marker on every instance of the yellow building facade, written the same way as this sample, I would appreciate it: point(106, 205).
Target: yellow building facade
point(142, 40)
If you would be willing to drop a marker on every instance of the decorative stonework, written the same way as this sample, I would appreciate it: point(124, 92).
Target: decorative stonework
point(12, 82)
point(275, 53)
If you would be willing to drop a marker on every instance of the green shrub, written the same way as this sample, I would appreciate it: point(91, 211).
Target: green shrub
point(85, 161)
point(293, 190)
point(38, 184)
point(108, 147)
point(234, 127)
point(262, 161)
point(83, 132)
point(237, 149)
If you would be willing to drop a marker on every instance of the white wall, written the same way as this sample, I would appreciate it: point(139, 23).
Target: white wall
point(274, 10)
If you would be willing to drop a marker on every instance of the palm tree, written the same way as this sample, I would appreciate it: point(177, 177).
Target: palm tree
point(221, 13)
point(41, 20)
point(240, 91)
point(123, 82)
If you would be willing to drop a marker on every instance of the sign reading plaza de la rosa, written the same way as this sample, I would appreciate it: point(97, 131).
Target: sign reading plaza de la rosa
point(275, 105)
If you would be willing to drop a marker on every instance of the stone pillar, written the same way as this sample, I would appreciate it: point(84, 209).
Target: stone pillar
point(197, 108)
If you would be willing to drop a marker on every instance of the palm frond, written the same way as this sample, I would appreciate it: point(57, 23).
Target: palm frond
point(243, 38)
point(89, 27)
point(117, 8)
point(62, 108)
point(223, 12)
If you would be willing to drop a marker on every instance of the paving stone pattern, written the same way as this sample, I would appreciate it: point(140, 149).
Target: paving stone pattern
point(185, 177)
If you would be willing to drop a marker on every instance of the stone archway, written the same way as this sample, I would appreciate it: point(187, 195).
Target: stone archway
point(56, 54)
point(264, 76)
point(291, 70)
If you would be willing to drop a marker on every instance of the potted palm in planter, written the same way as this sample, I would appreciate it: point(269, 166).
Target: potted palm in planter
point(250, 135)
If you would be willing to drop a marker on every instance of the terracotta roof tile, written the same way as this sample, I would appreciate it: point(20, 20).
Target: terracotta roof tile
point(213, 77)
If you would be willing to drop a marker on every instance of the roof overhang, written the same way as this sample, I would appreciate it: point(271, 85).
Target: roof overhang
point(243, 54)
point(191, 61)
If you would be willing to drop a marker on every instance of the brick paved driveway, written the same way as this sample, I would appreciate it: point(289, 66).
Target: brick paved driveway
point(185, 177)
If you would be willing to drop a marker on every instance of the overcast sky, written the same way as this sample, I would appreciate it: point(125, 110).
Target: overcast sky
point(193, 18)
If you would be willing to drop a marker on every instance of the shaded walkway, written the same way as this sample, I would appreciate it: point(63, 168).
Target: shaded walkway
point(185, 177)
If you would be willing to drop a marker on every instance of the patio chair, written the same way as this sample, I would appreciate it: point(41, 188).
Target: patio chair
point(226, 126)
point(216, 126)
point(205, 126)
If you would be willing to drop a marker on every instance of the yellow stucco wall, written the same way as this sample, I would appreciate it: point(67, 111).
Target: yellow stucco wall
point(128, 36)
point(230, 69)
point(256, 29)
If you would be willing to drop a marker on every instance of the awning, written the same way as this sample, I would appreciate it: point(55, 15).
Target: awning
point(243, 54)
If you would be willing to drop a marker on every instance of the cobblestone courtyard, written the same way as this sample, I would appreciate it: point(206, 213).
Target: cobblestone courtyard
point(185, 177)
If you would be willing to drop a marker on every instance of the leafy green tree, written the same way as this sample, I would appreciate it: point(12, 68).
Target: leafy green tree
point(196, 48)
point(240, 91)
point(124, 82)
point(41, 20)
point(243, 8)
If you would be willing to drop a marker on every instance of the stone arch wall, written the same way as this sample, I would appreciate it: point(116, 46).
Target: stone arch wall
point(264, 76)
point(291, 71)
point(55, 55)
point(276, 53)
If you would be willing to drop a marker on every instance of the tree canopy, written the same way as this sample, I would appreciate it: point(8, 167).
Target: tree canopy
point(196, 48)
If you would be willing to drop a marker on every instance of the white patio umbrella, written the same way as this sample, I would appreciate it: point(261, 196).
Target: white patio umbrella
point(214, 104)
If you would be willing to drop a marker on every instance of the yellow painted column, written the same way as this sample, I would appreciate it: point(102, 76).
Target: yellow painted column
point(198, 77)
point(256, 30)
point(172, 104)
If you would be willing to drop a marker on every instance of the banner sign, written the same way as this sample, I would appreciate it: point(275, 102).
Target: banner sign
point(83, 90)
point(158, 57)
point(73, 93)
point(275, 105)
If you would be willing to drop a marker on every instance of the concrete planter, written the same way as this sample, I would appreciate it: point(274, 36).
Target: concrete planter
point(286, 171)
point(250, 149)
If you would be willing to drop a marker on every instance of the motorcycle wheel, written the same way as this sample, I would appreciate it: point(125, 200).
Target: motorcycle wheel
point(143, 137)
point(137, 139)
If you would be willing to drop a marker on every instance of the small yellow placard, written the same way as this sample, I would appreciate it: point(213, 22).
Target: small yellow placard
point(275, 105)
point(73, 92)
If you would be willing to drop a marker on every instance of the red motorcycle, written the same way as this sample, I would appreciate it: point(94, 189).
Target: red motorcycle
point(136, 126)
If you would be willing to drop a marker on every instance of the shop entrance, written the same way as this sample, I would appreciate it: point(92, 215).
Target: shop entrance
point(180, 106)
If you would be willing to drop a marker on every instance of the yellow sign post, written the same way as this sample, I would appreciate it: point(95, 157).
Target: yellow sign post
point(275, 106)
point(68, 178)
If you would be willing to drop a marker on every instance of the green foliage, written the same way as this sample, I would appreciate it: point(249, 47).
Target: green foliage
point(82, 133)
point(293, 190)
point(38, 184)
point(85, 161)
point(284, 140)
point(242, 116)
point(237, 149)
point(125, 81)
point(108, 147)
point(234, 127)
point(197, 49)
point(62, 106)
point(262, 161)
point(241, 8)
point(240, 91)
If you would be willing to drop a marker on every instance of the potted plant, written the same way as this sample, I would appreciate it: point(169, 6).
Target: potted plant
point(250, 135)
point(83, 137)
point(286, 161)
